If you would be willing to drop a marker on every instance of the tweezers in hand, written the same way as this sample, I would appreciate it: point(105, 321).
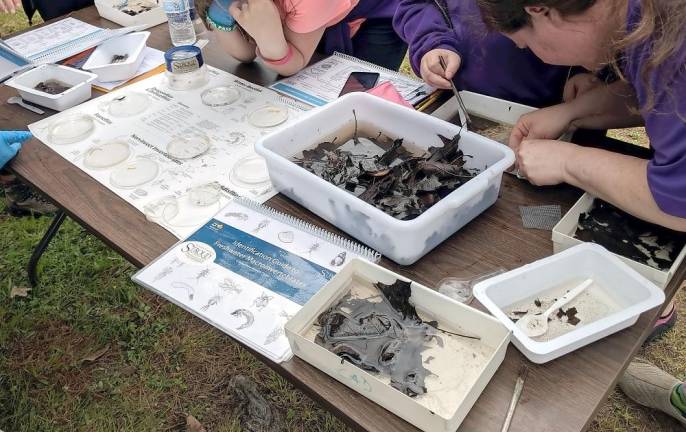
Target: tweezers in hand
point(457, 93)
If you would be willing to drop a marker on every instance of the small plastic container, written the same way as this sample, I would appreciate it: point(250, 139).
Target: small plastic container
point(402, 241)
point(108, 9)
point(186, 69)
point(131, 46)
point(79, 83)
point(629, 293)
point(563, 238)
point(469, 362)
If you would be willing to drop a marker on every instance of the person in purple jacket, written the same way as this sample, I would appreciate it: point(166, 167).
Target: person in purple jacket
point(646, 41)
point(479, 61)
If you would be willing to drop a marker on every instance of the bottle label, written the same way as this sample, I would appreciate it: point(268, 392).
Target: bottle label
point(175, 6)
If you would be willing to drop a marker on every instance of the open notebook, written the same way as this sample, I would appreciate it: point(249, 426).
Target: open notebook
point(248, 270)
point(322, 82)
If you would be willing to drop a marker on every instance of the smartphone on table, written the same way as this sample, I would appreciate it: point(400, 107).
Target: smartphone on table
point(359, 82)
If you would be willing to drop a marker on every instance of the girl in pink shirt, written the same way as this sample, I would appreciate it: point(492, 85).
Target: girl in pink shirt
point(285, 33)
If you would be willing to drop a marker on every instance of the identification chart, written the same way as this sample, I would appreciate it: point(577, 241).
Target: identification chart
point(176, 156)
point(248, 270)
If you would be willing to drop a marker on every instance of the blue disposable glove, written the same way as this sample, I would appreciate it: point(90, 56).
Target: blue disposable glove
point(10, 143)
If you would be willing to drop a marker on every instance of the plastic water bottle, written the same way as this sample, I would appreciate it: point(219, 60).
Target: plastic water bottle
point(198, 25)
point(180, 24)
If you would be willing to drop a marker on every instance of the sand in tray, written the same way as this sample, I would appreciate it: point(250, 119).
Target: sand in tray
point(454, 368)
point(591, 305)
point(496, 131)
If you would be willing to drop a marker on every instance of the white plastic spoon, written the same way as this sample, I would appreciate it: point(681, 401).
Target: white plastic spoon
point(534, 325)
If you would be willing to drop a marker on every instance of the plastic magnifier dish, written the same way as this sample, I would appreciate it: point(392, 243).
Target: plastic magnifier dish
point(205, 195)
point(134, 173)
point(107, 154)
point(220, 96)
point(268, 116)
point(188, 145)
point(250, 171)
point(128, 105)
point(71, 129)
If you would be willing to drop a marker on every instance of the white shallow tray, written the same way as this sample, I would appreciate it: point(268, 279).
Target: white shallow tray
point(79, 81)
point(563, 238)
point(402, 241)
point(132, 44)
point(631, 294)
point(429, 304)
point(145, 20)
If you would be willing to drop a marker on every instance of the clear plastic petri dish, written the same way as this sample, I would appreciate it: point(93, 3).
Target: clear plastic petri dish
point(205, 194)
point(128, 105)
point(163, 209)
point(249, 172)
point(134, 173)
point(71, 129)
point(220, 96)
point(268, 116)
point(457, 289)
point(188, 145)
point(107, 154)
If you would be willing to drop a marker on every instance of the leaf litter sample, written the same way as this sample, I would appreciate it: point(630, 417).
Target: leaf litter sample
point(630, 237)
point(387, 173)
point(592, 304)
point(378, 329)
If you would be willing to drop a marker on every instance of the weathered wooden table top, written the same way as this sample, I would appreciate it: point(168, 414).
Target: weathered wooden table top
point(560, 396)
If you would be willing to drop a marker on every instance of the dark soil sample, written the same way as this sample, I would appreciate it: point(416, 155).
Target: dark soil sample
point(496, 131)
point(384, 173)
point(254, 411)
point(381, 334)
point(52, 87)
point(629, 236)
point(119, 58)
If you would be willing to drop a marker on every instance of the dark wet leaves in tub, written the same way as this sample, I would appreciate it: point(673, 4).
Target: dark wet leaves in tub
point(629, 236)
point(381, 334)
point(384, 172)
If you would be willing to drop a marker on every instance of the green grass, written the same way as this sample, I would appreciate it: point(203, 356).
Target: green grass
point(161, 364)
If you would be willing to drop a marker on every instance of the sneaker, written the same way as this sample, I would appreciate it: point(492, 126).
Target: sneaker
point(650, 386)
point(662, 325)
point(22, 200)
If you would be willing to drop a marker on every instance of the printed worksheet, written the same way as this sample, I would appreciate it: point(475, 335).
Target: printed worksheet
point(176, 156)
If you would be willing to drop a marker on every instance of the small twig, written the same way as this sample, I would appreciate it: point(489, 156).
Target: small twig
point(458, 334)
point(519, 386)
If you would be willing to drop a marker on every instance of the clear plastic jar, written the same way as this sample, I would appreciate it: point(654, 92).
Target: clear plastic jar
point(186, 69)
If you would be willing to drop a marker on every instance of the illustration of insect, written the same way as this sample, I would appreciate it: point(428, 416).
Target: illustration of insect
point(339, 259)
point(246, 315)
point(262, 225)
point(184, 286)
point(262, 301)
point(177, 262)
point(274, 335)
point(229, 286)
point(202, 274)
point(235, 215)
point(312, 249)
point(164, 273)
point(213, 301)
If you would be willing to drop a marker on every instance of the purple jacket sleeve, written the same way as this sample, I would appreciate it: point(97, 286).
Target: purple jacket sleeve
point(422, 25)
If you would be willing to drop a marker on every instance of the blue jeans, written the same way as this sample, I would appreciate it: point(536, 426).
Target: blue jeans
point(377, 42)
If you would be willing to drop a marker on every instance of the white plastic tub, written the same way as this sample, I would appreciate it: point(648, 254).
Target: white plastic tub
point(131, 45)
point(563, 238)
point(471, 363)
point(630, 293)
point(402, 241)
point(79, 81)
point(145, 20)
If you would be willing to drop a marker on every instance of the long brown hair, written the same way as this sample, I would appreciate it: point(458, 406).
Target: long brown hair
point(661, 27)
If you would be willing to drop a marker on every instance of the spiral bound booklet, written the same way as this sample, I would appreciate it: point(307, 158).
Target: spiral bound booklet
point(322, 82)
point(248, 270)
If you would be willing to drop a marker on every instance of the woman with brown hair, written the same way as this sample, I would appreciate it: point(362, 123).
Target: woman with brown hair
point(645, 40)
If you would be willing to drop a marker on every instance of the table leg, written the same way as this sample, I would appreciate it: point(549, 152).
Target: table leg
point(57, 221)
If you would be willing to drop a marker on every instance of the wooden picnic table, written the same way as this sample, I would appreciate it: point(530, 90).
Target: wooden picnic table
point(560, 396)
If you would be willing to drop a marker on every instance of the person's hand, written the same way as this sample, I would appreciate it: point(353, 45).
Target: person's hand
point(578, 85)
point(10, 143)
point(432, 72)
point(9, 6)
point(262, 21)
point(544, 162)
point(546, 123)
